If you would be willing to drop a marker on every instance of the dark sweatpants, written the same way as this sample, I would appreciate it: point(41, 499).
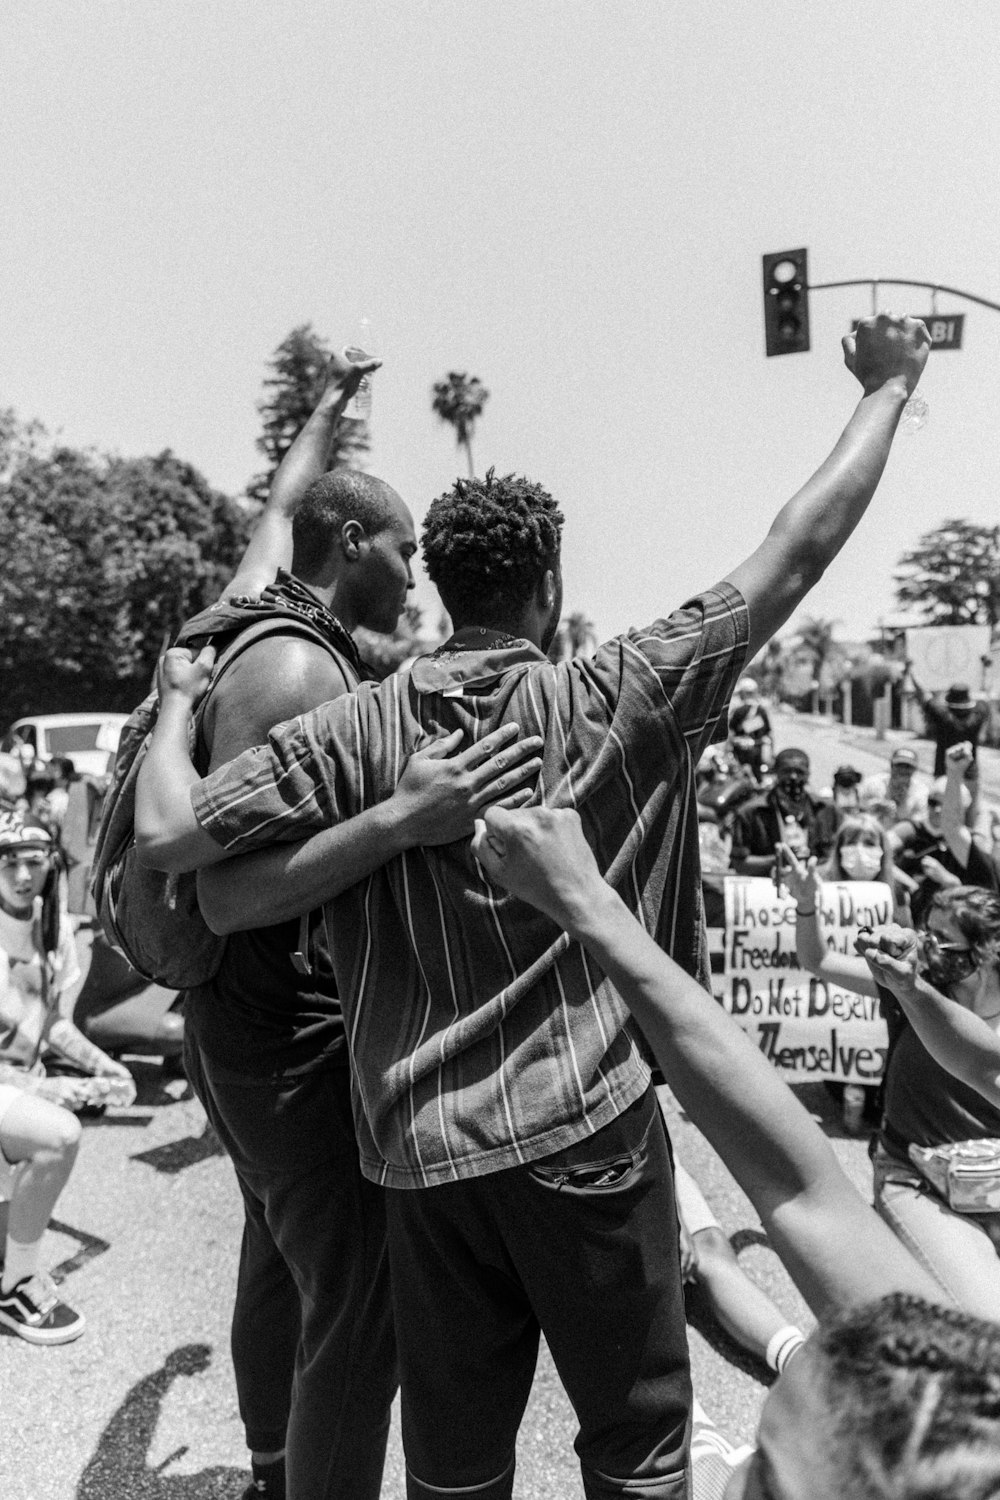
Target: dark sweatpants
point(583, 1246)
point(312, 1338)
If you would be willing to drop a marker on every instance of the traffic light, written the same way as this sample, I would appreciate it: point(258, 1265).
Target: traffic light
point(786, 302)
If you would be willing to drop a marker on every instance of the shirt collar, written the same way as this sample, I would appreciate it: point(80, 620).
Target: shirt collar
point(453, 673)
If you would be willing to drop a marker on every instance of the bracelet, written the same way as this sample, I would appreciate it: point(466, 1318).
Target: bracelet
point(801, 912)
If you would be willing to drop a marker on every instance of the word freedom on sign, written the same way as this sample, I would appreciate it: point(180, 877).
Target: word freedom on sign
point(808, 1028)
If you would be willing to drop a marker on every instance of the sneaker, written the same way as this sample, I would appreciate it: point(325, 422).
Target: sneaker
point(33, 1310)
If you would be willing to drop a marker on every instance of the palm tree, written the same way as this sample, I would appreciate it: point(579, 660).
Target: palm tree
point(459, 400)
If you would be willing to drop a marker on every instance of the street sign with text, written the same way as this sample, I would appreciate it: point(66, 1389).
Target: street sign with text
point(945, 329)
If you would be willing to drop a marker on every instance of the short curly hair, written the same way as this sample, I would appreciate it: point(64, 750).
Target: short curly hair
point(914, 1396)
point(487, 542)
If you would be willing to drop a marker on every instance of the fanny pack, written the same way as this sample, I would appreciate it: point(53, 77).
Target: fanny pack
point(966, 1174)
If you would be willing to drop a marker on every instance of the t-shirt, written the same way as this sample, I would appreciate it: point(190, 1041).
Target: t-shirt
point(877, 789)
point(925, 1105)
point(946, 728)
point(24, 1005)
point(481, 1037)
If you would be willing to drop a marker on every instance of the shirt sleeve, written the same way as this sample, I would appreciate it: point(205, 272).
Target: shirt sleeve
point(698, 653)
point(288, 789)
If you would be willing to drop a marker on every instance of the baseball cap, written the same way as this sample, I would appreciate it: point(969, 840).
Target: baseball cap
point(846, 776)
point(903, 757)
point(18, 832)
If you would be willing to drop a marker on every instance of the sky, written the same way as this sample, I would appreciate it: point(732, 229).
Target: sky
point(568, 199)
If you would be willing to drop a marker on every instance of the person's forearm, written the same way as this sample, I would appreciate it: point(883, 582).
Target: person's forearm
point(836, 968)
point(833, 1246)
point(168, 836)
point(71, 1044)
point(956, 835)
point(270, 547)
point(273, 885)
point(814, 525)
point(962, 1042)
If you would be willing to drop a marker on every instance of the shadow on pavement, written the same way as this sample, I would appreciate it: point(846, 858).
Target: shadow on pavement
point(174, 1156)
point(120, 1465)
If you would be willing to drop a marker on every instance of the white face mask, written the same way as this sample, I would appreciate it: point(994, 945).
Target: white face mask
point(861, 861)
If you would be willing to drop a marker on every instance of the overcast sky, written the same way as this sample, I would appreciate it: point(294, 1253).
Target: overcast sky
point(569, 200)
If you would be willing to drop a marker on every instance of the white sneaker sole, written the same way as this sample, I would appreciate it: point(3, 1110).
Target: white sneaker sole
point(35, 1335)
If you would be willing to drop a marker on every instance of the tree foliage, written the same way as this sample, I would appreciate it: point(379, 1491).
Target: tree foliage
point(105, 558)
point(292, 390)
point(459, 400)
point(952, 576)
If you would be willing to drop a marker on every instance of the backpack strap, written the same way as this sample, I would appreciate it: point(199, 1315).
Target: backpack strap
point(249, 635)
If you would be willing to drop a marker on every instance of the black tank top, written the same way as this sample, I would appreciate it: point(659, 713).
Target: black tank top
point(925, 1105)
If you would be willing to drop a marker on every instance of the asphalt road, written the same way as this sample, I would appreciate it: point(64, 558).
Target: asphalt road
point(146, 1237)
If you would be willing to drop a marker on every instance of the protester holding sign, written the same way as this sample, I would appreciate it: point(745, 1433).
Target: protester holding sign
point(943, 1077)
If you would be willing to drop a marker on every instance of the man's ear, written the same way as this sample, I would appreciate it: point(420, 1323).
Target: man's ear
point(352, 539)
point(547, 589)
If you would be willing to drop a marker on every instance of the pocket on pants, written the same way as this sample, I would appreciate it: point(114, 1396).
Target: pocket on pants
point(605, 1163)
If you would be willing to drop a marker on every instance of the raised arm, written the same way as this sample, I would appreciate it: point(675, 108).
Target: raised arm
point(962, 1042)
point(957, 760)
point(832, 1244)
point(806, 889)
point(438, 798)
point(887, 355)
point(270, 547)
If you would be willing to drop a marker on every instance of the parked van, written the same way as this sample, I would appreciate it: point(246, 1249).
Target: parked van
point(89, 740)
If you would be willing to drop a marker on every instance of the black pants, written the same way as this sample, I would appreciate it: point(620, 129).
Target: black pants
point(581, 1245)
point(312, 1338)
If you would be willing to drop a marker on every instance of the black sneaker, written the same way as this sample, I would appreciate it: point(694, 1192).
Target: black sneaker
point(32, 1308)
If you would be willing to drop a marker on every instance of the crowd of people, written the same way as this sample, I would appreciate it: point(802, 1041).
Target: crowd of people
point(465, 923)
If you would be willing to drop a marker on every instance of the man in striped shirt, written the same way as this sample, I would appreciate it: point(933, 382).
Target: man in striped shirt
point(499, 1083)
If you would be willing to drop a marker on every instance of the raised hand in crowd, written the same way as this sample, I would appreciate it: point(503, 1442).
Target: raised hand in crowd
point(270, 547)
point(800, 877)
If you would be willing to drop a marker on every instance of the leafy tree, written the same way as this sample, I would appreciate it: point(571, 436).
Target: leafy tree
point(459, 401)
point(952, 576)
point(107, 557)
point(291, 392)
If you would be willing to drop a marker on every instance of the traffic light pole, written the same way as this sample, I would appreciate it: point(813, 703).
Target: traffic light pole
point(930, 286)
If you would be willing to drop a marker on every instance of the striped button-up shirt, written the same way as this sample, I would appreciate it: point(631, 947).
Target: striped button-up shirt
point(481, 1037)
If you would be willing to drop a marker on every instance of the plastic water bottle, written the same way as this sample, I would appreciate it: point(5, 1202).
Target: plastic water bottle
point(363, 345)
point(853, 1107)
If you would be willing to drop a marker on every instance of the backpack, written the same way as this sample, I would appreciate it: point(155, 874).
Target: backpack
point(153, 918)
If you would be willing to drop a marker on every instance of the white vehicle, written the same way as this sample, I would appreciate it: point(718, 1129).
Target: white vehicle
point(90, 741)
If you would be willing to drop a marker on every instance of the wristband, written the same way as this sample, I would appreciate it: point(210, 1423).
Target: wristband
point(782, 1345)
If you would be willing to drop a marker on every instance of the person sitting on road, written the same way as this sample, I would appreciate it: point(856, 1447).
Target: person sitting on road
point(38, 1138)
point(893, 1396)
point(708, 1261)
point(786, 814)
point(942, 1070)
point(899, 785)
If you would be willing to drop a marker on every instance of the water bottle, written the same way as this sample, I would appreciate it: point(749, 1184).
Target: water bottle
point(363, 345)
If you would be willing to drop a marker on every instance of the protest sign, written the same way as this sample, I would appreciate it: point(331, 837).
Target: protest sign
point(808, 1028)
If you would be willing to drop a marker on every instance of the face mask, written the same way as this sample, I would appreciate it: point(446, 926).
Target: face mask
point(942, 965)
point(861, 861)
